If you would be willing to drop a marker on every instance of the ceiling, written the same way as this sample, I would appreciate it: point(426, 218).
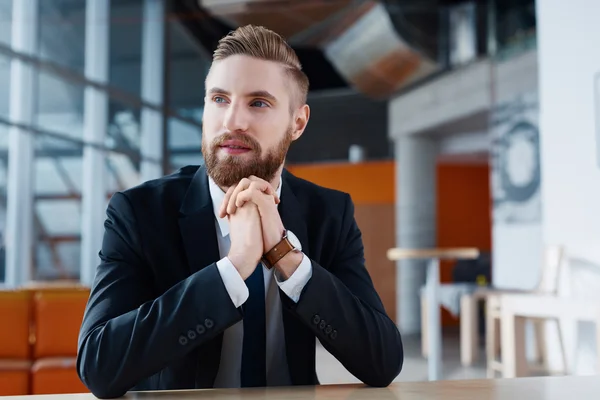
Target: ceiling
point(375, 47)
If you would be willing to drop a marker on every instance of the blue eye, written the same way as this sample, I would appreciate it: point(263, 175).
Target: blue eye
point(218, 99)
point(260, 103)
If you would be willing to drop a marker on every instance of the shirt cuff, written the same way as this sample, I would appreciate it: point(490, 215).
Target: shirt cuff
point(293, 286)
point(234, 284)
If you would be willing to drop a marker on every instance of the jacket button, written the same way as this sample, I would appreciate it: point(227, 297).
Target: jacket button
point(183, 340)
point(328, 329)
point(316, 319)
point(322, 324)
point(333, 335)
point(191, 335)
point(208, 323)
point(200, 329)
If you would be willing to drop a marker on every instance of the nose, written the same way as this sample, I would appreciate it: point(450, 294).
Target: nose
point(236, 118)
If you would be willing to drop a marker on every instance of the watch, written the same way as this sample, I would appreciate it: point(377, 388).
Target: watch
point(288, 243)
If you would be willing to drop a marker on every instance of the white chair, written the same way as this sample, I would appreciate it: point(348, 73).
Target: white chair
point(548, 286)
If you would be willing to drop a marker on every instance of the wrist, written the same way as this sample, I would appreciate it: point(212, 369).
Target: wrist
point(289, 264)
point(241, 264)
point(273, 238)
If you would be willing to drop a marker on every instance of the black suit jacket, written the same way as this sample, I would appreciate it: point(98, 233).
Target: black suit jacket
point(158, 307)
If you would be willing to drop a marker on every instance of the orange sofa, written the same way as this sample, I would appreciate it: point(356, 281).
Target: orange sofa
point(38, 339)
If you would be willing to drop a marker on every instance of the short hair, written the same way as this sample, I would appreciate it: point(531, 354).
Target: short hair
point(262, 43)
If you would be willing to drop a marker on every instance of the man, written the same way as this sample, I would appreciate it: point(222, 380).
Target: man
point(225, 275)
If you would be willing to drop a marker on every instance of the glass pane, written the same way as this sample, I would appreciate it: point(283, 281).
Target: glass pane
point(62, 32)
point(57, 207)
point(59, 107)
point(3, 182)
point(182, 160)
point(6, 21)
point(125, 69)
point(185, 144)
point(189, 64)
point(58, 217)
point(183, 135)
point(515, 27)
point(4, 84)
point(57, 260)
point(123, 127)
point(123, 172)
point(50, 177)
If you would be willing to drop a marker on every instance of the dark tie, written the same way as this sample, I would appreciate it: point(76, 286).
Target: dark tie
point(255, 336)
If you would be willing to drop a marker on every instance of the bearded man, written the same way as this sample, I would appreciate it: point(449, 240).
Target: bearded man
point(225, 275)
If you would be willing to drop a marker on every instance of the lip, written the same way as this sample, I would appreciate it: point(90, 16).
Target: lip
point(234, 143)
point(234, 147)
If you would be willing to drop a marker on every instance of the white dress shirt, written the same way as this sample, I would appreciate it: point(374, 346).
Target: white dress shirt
point(229, 374)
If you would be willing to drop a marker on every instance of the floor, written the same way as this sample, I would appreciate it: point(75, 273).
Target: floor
point(330, 371)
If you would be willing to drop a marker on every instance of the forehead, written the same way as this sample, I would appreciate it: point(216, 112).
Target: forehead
point(241, 74)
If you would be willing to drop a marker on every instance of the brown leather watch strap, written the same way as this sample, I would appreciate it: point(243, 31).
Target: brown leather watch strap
point(273, 256)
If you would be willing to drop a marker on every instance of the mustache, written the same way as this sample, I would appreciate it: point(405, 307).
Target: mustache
point(248, 141)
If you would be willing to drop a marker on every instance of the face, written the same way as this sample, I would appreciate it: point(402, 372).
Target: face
point(249, 119)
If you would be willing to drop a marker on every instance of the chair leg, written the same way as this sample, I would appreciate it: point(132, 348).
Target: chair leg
point(424, 325)
point(541, 354)
point(468, 330)
point(514, 361)
point(563, 350)
point(491, 336)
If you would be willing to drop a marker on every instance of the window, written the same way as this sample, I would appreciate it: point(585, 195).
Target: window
point(6, 21)
point(126, 46)
point(57, 208)
point(62, 33)
point(59, 107)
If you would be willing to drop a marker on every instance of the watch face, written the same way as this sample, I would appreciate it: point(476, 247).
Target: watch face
point(294, 240)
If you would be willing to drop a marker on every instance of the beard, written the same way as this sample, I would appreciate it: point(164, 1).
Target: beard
point(229, 170)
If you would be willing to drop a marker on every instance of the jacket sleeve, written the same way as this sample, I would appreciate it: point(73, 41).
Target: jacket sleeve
point(342, 308)
point(128, 332)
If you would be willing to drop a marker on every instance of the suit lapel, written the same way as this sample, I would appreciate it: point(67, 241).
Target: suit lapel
point(297, 348)
point(197, 224)
point(292, 213)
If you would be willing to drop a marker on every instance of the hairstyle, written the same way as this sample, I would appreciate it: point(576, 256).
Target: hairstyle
point(260, 42)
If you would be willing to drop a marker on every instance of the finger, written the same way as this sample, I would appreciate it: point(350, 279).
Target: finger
point(264, 187)
point(243, 197)
point(243, 185)
point(223, 208)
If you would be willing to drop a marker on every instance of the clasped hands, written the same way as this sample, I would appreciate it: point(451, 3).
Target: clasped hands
point(255, 226)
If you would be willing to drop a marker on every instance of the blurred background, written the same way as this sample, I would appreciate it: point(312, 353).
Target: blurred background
point(453, 124)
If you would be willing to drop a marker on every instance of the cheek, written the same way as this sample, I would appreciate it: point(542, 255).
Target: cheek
point(212, 117)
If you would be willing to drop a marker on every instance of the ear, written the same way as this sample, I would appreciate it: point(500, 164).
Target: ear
point(301, 117)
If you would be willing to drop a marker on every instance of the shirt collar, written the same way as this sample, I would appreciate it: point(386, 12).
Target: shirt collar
point(217, 195)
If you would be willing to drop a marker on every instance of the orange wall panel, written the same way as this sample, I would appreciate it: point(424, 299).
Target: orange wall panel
point(463, 213)
point(368, 183)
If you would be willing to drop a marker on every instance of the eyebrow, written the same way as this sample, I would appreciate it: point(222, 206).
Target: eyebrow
point(257, 93)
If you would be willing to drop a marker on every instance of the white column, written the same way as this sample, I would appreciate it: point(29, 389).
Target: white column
point(569, 94)
point(152, 87)
point(19, 223)
point(95, 125)
point(415, 222)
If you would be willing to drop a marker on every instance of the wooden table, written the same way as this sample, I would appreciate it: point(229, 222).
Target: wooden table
point(434, 334)
point(546, 388)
